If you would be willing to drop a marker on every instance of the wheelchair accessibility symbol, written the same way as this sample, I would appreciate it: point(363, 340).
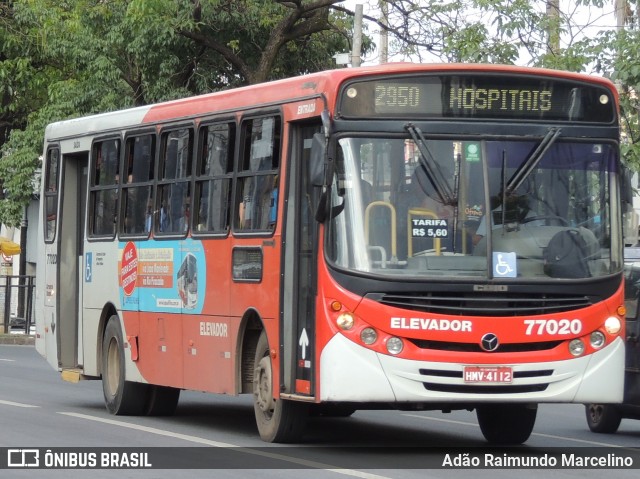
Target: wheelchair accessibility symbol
point(88, 269)
point(504, 265)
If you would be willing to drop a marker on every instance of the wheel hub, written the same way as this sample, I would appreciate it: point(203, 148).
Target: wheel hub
point(263, 393)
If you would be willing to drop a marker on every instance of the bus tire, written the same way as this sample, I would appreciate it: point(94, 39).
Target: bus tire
point(162, 401)
point(121, 397)
point(506, 424)
point(603, 418)
point(278, 420)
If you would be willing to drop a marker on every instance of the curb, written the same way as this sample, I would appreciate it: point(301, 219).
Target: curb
point(18, 339)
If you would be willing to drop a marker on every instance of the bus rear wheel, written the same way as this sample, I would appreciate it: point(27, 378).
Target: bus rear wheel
point(506, 423)
point(278, 420)
point(603, 418)
point(121, 397)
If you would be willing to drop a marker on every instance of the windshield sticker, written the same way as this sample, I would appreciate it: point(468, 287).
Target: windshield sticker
point(504, 265)
point(429, 227)
point(473, 152)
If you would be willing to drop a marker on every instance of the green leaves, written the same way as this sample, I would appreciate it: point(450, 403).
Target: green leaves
point(67, 59)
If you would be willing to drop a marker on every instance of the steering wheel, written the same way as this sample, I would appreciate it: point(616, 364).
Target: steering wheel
point(546, 218)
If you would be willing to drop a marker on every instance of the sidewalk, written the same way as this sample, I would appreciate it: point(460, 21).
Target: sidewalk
point(17, 339)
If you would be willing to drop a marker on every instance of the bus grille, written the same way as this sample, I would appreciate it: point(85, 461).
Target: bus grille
point(480, 389)
point(484, 388)
point(484, 304)
point(475, 347)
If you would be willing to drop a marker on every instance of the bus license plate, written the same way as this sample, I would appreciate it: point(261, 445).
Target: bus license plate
point(488, 374)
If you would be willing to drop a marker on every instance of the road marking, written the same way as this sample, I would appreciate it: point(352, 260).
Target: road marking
point(208, 442)
point(437, 419)
point(8, 360)
point(16, 404)
point(551, 436)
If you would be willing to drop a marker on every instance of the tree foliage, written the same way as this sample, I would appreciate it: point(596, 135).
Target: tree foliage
point(583, 37)
point(66, 58)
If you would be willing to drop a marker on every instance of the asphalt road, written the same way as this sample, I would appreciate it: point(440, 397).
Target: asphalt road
point(39, 410)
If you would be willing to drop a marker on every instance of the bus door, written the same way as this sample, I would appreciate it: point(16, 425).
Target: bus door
point(300, 270)
point(70, 241)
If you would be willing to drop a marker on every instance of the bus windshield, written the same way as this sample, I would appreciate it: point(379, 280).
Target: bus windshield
point(493, 208)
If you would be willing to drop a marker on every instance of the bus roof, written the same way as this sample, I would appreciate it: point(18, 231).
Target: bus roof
point(270, 93)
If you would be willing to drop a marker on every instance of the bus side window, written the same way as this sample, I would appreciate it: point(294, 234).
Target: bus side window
point(104, 188)
point(213, 178)
point(137, 187)
point(257, 200)
point(51, 193)
point(174, 187)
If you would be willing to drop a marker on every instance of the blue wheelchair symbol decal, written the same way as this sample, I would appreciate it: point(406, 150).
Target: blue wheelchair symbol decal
point(504, 265)
point(88, 269)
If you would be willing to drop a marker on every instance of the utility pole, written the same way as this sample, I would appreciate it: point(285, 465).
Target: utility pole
point(357, 37)
point(384, 34)
point(621, 7)
point(553, 15)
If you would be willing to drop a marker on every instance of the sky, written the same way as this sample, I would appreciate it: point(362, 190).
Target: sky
point(587, 21)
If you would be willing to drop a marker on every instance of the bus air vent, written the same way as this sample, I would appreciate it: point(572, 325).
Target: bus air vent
point(458, 303)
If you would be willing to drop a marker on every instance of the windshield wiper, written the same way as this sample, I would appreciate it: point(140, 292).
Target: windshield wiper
point(431, 167)
point(527, 167)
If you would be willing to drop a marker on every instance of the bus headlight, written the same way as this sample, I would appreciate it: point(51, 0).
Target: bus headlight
point(597, 339)
point(368, 336)
point(612, 325)
point(394, 345)
point(345, 321)
point(576, 347)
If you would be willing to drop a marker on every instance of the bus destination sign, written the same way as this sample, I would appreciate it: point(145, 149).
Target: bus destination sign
point(478, 97)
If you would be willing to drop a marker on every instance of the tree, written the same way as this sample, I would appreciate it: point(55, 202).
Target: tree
point(86, 56)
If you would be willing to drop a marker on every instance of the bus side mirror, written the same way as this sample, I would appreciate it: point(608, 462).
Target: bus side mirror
point(318, 159)
point(321, 174)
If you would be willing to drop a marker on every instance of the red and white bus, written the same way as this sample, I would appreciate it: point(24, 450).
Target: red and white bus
point(401, 236)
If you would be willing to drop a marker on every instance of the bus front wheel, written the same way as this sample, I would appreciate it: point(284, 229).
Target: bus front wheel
point(278, 420)
point(603, 418)
point(506, 423)
point(121, 397)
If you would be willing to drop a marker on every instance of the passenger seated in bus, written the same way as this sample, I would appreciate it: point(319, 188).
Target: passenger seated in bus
point(273, 205)
point(164, 219)
point(148, 220)
point(183, 222)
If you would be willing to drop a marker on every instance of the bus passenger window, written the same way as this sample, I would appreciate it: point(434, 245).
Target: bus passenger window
point(213, 181)
point(104, 188)
point(51, 193)
point(138, 185)
point(257, 199)
point(174, 187)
